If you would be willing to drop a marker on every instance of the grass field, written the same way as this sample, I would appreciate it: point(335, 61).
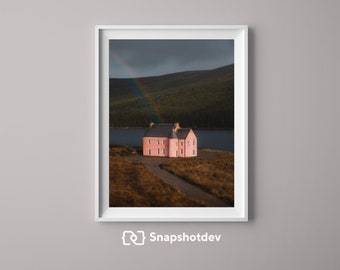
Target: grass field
point(133, 185)
point(214, 173)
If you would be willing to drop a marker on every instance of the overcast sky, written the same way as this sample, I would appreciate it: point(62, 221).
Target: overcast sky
point(142, 58)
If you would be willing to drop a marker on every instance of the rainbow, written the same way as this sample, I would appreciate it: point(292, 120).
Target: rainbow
point(141, 88)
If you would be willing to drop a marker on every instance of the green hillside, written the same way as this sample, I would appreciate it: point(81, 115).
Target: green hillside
point(197, 99)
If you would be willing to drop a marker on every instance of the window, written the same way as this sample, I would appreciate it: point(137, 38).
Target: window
point(193, 152)
point(182, 143)
point(149, 152)
point(157, 141)
point(163, 141)
point(193, 142)
point(181, 151)
point(158, 151)
point(164, 151)
point(176, 144)
point(176, 153)
point(149, 141)
point(188, 143)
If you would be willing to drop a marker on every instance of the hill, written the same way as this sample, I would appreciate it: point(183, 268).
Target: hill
point(198, 99)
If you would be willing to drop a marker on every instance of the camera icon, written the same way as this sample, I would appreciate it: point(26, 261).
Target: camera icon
point(138, 238)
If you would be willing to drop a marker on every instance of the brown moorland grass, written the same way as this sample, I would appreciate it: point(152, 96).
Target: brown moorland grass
point(214, 173)
point(133, 185)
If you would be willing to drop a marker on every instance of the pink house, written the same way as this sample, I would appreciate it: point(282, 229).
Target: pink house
point(169, 140)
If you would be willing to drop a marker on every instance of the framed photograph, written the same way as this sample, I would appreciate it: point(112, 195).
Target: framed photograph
point(171, 123)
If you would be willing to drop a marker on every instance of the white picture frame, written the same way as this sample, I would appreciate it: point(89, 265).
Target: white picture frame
point(104, 213)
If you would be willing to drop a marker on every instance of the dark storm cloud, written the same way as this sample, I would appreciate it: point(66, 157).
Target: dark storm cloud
point(141, 58)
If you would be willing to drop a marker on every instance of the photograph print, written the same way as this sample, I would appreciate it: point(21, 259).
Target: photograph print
point(171, 123)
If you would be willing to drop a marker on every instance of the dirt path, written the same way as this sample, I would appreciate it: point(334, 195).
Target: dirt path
point(152, 163)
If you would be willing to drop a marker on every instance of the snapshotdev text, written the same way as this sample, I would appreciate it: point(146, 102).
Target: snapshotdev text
point(184, 237)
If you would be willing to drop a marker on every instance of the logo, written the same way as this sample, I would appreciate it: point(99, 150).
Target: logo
point(129, 237)
point(137, 238)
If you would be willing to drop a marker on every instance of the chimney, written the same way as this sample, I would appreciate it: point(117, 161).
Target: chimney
point(176, 126)
point(151, 124)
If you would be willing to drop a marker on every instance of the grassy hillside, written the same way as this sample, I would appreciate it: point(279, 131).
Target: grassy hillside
point(133, 185)
point(214, 174)
point(198, 99)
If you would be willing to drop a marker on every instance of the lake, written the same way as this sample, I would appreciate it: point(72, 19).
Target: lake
point(213, 139)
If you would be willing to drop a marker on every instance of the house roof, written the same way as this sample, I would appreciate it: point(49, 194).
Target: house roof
point(159, 130)
point(182, 133)
point(166, 131)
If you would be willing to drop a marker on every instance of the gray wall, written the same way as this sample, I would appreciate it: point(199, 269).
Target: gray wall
point(47, 150)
